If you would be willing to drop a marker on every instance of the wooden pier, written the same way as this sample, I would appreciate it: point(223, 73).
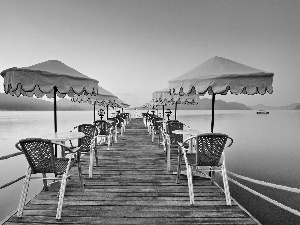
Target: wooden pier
point(131, 186)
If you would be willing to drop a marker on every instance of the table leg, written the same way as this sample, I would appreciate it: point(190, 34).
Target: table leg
point(63, 153)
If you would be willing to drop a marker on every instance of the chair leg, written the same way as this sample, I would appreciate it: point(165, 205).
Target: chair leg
point(45, 182)
point(226, 186)
point(79, 171)
point(152, 134)
point(91, 162)
point(61, 196)
point(24, 193)
point(178, 167)
point(212, 174)
point(96, 155)
point(168, 156)
point(158, 139)
point(116, 134)
point(190, 183)
point(108, 142)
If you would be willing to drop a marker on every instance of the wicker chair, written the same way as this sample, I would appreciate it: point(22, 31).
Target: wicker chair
point(40, 156)
point(114, 123)
point(148, 122)
point(170, 140)
point(120, 124)
point(156, 128)
point(88, 144)
point(126, 117)
point(144, 115)
point(104, 133)
point(209, 149)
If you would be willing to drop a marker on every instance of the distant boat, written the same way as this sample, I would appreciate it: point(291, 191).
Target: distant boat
point(262, 112)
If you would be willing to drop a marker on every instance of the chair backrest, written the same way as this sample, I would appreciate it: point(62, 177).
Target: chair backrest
point(210, 147)
point(101, 126)
point(156, 124)
point(119, 121)
point(171, 121)
point(39, 154)
point(170, 127)
point(90, 131)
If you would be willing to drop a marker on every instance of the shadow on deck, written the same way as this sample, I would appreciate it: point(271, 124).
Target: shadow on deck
point(131, 186)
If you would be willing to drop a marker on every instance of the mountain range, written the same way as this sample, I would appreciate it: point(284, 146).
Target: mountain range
point(23, 103)
point(205, 104)
point(13, 103)
point(266, 107)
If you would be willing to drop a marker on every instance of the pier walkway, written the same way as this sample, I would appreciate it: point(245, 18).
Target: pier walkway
point(131, 186)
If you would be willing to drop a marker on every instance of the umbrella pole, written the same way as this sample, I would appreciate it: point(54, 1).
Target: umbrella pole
point(55, 119)
point(213, 112)
point(55, 114)
point(107, 112)
point(94, 112)
point(175, 109)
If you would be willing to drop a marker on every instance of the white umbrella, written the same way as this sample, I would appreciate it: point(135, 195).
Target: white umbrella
point(122, 104)
point(218, 76)
point(103, 98)
point(48, 78)
point(164, 98)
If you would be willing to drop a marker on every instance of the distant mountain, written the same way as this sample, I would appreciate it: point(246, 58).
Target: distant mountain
point(13, 103)
point(297, 107)
point(76, 106)
point(23, 103)
point(205, 104)
point(265, 107)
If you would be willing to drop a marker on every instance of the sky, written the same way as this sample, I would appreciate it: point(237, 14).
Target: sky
point(134, 48)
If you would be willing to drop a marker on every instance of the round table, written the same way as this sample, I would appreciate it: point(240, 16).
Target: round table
point(191, 133)
point(188, 132)
point(62, 137)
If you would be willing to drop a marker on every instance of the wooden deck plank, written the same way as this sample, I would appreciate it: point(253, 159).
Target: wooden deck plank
point(131, 186)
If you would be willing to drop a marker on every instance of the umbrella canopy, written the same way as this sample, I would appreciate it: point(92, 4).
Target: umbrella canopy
point(48, 78)
point(218, 76)
point(103, 98)
point(152, 105)
point(164, 97)
point(122, 104)
point(43, 78)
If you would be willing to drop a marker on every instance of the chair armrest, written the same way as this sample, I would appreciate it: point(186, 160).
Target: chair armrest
point(231, 142)
point(18, 146)
point(73, 150)
point(74, 128)
point(189, 138)
point(71, 143)
point(183, 145)
point(182, 148)
point(187, 126)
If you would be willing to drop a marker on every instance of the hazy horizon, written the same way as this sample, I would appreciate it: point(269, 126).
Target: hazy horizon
point(133, 47)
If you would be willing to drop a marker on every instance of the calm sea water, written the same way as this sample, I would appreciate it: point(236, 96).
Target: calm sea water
point(266, 147)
